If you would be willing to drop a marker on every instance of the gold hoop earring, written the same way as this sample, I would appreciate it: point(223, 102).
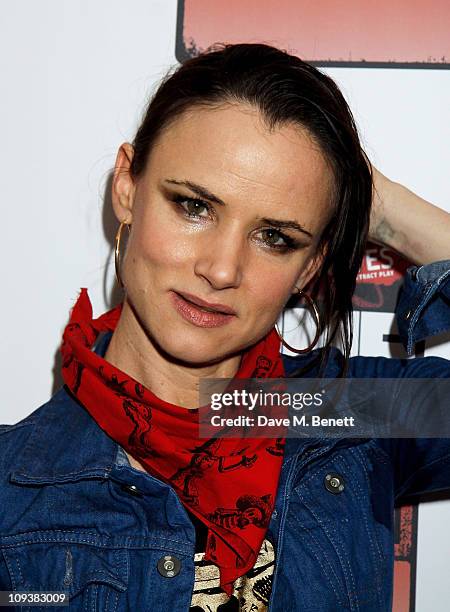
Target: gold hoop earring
point(318, 327)
point(117, 250)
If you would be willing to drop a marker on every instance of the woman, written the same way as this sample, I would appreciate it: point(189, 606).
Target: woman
point(245, 185)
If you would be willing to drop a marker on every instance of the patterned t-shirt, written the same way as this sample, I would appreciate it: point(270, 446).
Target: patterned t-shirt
point(251, 592)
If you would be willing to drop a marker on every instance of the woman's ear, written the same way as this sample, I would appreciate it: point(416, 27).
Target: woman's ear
point(123, 184)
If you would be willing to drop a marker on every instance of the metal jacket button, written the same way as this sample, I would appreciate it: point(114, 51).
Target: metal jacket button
point(169, 566)
point(334, 483)
point(132, 489)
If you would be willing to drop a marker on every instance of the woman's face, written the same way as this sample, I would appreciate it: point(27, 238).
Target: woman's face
point(226, 212)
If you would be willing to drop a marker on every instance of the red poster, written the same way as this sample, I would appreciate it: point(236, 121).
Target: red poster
point(379, 279)
point(400, 34)
point(405, 550)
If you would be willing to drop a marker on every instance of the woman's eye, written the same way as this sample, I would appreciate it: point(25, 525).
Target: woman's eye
point(192, 207)
point(277, 240)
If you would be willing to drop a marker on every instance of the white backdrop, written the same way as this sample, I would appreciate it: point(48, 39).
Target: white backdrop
point(75, 77)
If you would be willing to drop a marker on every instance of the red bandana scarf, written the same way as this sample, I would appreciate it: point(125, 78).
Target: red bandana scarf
point(229, 484)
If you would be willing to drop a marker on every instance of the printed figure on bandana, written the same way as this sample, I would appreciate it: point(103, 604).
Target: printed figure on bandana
point(278, 448)
point(262, 369)
point(68, 358)
point(204, 457)
point(141, 415)
point(249, 510)
point(113, 382)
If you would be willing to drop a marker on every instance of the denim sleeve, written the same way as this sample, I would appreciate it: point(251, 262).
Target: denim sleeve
point(423, 307)
point(420, 465)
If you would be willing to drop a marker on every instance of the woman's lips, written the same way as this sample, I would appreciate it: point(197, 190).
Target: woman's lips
point(196, 315)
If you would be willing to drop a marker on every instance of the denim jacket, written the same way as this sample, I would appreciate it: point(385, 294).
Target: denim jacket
point(76, 517)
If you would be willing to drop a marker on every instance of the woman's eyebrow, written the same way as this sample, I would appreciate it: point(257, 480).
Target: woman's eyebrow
point(204, 193)
point(198, 189)
point(286, 225)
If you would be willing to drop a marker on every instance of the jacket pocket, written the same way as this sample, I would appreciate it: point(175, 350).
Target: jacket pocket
point(93, 577)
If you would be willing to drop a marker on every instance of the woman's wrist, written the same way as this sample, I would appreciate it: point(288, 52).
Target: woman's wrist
point(384, 226)
point(407, 223)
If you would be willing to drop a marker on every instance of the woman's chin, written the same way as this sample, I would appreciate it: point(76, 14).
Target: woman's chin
point(192, 351)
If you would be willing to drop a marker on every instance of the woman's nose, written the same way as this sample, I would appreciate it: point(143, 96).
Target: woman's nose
point(221, 261)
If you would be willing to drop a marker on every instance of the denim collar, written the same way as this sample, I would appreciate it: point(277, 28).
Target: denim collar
point(65, 443)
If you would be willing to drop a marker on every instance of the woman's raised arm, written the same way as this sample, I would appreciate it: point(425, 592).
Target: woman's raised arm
point(400, 219)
